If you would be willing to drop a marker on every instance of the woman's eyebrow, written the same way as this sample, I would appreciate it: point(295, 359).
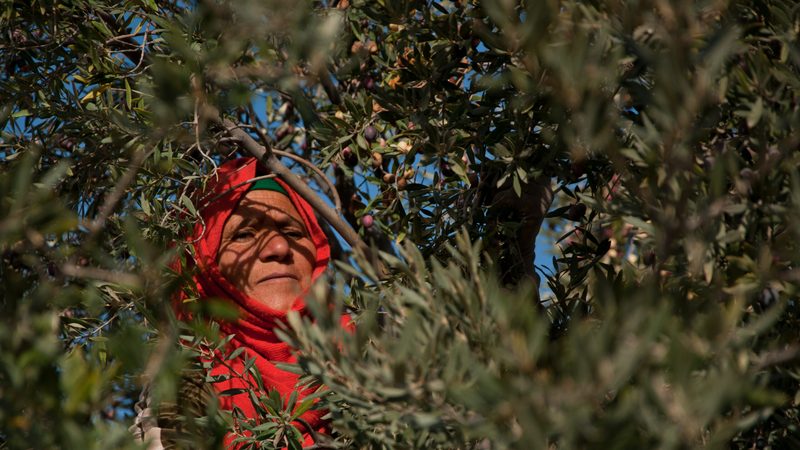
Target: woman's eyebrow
point(247, 222)
point(289, 220)
point(276, 216)
point(282, 217)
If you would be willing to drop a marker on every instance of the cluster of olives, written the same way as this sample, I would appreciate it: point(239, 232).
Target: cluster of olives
point(399, 180)
point(350, 159)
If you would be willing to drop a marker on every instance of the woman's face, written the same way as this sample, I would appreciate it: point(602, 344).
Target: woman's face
point(266, 251)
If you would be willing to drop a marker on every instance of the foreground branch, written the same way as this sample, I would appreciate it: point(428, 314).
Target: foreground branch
point(96, 273)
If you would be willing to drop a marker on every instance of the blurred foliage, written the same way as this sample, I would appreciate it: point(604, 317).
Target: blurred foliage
point(660, 138)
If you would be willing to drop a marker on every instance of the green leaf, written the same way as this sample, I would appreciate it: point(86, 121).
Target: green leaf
point(128, 95)
point(101, 27)
point(754, 116)
point(234, 354)
point(185, 201)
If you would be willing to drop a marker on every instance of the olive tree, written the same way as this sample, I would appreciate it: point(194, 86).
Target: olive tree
point(650, 145)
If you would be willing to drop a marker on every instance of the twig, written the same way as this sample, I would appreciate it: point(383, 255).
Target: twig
point(116, 195)
point(98, 328)
point(198, 99)
point(331, 188)
point(125, 38)
point(143, 51)
point(776, 357)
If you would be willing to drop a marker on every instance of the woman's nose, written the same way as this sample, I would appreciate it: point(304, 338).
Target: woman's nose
point(274, 247)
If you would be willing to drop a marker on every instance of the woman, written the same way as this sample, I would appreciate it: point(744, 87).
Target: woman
point(260, 247)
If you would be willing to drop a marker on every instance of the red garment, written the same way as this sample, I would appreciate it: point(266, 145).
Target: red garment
point(254, 329)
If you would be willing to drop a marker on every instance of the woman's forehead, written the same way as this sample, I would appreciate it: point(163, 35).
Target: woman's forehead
point(259, 202)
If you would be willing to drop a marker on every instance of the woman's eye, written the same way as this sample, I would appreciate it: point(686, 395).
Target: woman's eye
point(295, 233)
point(242, 235)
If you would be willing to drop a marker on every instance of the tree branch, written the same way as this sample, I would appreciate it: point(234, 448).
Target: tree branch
point(96, 273)
point(317, 174)
point(321, 175)
point(110, 202)
point(268, 159)
point(531, 207)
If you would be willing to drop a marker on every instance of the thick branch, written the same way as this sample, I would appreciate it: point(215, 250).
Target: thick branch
point(317, 174)
point(530, 209)
point(272, 163)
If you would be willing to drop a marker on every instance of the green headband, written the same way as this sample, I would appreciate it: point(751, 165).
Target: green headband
point(268, 184)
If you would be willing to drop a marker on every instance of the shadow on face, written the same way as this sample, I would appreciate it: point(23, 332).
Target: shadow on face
point(266, 251)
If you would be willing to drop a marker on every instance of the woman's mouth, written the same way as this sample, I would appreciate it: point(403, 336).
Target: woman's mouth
point(277, 277)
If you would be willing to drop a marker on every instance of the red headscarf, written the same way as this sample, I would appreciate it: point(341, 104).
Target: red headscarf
point(254, 330)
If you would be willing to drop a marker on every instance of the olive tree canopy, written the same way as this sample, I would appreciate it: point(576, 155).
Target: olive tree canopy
point(651, 147)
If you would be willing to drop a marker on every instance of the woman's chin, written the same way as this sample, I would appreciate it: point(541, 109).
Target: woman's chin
point(277, 297)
